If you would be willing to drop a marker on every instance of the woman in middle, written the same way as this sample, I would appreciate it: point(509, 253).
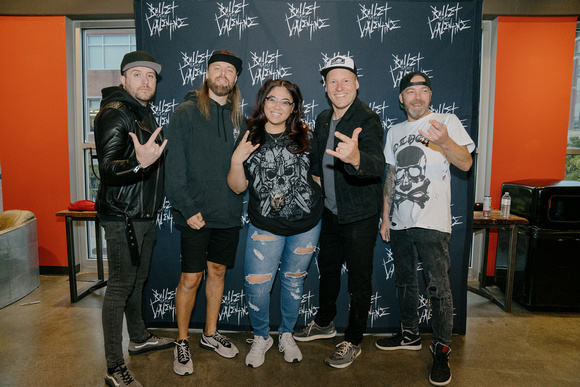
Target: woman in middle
point(274, 159)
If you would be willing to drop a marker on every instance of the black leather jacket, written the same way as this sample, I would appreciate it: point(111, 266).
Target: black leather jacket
point(125, 189)
point(358, 193)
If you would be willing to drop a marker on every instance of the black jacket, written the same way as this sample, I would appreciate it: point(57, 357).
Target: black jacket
point(199, 155)
point(124, 189)
point(358, 193)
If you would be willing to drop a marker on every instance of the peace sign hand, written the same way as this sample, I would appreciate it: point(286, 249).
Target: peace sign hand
point(149, 152)
point(347, 148)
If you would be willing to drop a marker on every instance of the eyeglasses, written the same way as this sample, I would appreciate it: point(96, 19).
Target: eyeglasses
point(274, 101)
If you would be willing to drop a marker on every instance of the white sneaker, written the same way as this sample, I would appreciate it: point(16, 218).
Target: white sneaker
point(257, 354)
point(287, 345)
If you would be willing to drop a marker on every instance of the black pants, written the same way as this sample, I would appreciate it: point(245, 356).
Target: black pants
point(352, 243)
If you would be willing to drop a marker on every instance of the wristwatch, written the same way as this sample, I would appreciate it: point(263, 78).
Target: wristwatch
point(137, 168)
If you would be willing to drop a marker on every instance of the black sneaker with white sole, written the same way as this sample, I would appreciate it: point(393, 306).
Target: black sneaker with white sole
point(440, 371)
point(405, 340)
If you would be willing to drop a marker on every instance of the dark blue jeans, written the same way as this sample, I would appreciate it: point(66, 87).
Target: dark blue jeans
point(352, 243)
point(125, 287)
point(431, 247)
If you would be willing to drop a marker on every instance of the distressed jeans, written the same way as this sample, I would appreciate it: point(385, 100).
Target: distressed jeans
point(264, 253)
point(352, 243)
point(125, 287)
point(431, 247)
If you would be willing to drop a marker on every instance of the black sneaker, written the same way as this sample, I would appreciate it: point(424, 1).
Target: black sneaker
point(405, 340)
point(121, 377)
point(440, 371)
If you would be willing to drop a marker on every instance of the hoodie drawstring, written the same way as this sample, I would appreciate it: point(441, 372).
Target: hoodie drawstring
point(221, 123)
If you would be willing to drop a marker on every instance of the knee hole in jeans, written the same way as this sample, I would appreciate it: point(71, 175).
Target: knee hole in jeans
point(295, 275)
point(258, 278)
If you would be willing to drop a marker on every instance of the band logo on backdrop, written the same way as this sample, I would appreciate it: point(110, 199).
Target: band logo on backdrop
point(293, 40)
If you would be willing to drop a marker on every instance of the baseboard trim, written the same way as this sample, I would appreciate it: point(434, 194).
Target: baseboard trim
point(53, 270)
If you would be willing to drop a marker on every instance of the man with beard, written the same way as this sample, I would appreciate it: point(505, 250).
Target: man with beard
point(130, 152)
point(203, 131)
point(417, 187)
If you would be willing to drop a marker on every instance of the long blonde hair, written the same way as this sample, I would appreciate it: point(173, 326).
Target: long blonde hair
point(234, 97)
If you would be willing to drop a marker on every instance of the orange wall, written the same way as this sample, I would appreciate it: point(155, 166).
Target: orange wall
point(532, 101)
point(33, 126)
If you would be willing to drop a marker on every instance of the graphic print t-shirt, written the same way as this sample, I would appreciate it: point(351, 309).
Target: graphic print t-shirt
point(422, 178)
point(284, 199)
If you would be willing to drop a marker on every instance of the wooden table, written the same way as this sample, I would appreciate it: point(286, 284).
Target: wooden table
point(83, 216)
point(496, 221)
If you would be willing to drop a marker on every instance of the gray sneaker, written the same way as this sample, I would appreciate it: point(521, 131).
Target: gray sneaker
point(344, 355)
point(121, 377)
point(152, 343)
point(182, 364)
point(220, 344)
point(314, 332)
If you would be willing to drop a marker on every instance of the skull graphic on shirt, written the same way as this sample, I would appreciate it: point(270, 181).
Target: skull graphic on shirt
point(410, 181)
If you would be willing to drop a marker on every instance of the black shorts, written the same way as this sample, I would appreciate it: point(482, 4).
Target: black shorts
point(217, 245)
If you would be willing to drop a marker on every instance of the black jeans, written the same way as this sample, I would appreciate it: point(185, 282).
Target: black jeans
point(125, 287)
point(352, 243)
point(431, 247)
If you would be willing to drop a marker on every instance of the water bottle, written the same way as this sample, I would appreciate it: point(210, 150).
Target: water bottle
point(505, 205)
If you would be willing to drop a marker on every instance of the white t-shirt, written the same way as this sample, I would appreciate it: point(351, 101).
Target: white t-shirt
point(422, 179)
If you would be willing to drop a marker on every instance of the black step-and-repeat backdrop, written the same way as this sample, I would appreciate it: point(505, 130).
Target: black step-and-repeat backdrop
point(292, 40)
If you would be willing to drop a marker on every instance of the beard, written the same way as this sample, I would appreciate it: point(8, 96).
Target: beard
point(220, 90)
point(416, 113)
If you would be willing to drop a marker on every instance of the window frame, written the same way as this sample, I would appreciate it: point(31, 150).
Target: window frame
point(574, 103)
point(80, 141)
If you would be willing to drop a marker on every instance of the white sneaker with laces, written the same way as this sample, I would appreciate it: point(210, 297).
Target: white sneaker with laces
point(257, 354)
point(287, 345)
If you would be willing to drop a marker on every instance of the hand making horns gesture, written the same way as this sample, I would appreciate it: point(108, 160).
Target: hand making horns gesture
point(347, 148)
point(149, 152)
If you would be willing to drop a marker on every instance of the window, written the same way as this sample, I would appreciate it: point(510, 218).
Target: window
point(99, 47)
point(573, 148)
point(105, 47)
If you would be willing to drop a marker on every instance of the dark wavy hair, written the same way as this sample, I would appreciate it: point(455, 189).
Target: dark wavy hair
point(297, 130)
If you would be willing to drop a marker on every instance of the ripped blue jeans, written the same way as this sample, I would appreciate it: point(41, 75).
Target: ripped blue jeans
point(431, 247)
point(265, 252)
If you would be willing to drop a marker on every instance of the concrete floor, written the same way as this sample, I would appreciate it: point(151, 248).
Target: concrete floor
point(56, 343)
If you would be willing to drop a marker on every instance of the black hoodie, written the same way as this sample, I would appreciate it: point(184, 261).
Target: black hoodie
point(199, 152)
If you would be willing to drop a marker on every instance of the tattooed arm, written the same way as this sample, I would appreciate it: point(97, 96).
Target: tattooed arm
point(389, 195)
